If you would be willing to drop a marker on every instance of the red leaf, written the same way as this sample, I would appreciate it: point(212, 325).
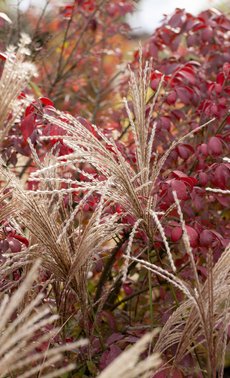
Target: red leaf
point(199, 26)
point(178, 114)
point(113, 338)
point(221, 176)
point(176, 234)
point(53, 130)
point(192, 40)
point(46, 101)
point(180, 188)
point(187, 74)
point(153, 50)
point(21, 96)
point(28, 126)
point(193, 236)
point(191, 181)
point(217, 235)
point(207, 34)
point(171, 98)
point(3, 56)
point(184, 151)
point(156, 75)
point(223, 200)
point(203, 271)
point(203, 178)
point(178, 174)
point(218, 88)
point(206, 238)
point(109, 355)
point(176, 20)
point(30, 109)
point(14, 245)
point(164, 123)
point(220, 78)
point(154, 84)
point(184, 94)
point(4, 246)
point(198, 200)
point(22, 239)
point(214, 146)
point(204, 149)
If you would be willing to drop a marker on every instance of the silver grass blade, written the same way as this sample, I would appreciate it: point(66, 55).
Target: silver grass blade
point(16, 335)
point(15, 76)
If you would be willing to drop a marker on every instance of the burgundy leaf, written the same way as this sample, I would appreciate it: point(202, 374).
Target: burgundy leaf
point(176, 20)
point(14, 245)
point(153, 50)
point(109, 355)
point(192, 233)
point(206, 238)
point(214, 146)
point(179, 174)
point(114, 337)
point(22, 239)
point(178, 114)
point(207, 34)
point(183, 94)
point(171, 98)
point(176, 234)
point(4, 246)
point(191, 181)
point(28, 126)
point(197, 200)
point(188, 74)
point(180, 189)
point(193, 236)
point(204, 149)
point(184, 152)
point(203, 178)
point(192, 40)
point(223, 200)
point(164, 123)
point(220, 78)
point(221, 176)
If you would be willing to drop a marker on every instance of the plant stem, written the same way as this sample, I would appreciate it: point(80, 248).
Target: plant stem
point(150, 295)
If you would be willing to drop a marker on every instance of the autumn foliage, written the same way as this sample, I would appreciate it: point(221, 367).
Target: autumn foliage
point(125, 201)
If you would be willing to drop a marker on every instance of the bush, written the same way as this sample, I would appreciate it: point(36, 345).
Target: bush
point(130, 217)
